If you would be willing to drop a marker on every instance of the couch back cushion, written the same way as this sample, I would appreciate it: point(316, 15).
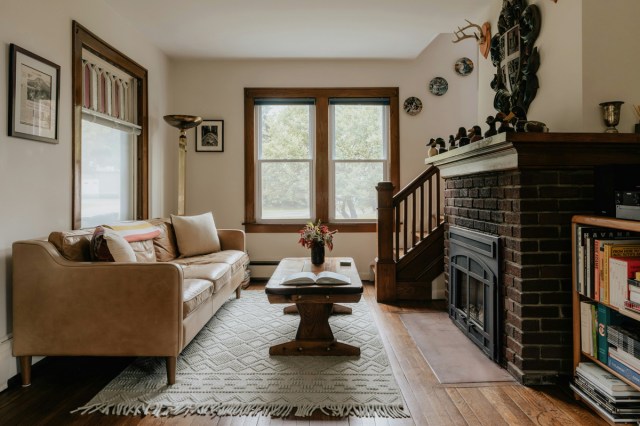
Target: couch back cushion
point(73, 245)
point(76, 246)
point(165, 245)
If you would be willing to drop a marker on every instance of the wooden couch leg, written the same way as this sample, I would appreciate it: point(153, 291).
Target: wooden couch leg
point(171, 369)
point(25, 370)
point(238, 291)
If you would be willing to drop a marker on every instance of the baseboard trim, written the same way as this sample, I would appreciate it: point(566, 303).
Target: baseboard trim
point(8, 364)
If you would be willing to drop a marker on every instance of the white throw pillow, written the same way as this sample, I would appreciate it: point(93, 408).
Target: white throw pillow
point(196, 234)
point(120, 249)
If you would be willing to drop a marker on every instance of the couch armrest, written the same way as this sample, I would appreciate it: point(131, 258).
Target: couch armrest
point(232, 239)
point(62, 307)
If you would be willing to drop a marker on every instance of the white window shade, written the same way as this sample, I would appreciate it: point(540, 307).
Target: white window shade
point(109, 121)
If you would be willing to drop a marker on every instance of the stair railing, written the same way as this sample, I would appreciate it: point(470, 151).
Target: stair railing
point(403, 219)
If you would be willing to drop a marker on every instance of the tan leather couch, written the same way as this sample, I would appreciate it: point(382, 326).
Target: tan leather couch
point(65, 304)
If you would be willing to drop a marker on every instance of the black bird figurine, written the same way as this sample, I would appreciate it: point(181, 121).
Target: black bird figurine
point(491, 121)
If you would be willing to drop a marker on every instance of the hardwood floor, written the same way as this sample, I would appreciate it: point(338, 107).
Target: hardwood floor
point(61, 384)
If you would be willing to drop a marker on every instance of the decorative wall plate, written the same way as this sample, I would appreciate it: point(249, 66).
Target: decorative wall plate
point(464, 66)
point(412, 105)
point(438, 86)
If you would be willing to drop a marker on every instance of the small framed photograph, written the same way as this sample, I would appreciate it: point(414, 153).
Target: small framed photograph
point(34, 94)
point(210, 136)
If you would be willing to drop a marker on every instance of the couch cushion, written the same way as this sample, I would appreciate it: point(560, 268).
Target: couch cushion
point(219, 274)
point(73, 245)
point(144, 251)
point(110, 246)
point(194, 293)
point(165, 244)
point(196, 234)
point(234, 258)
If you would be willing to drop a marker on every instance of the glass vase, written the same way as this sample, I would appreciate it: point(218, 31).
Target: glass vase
point(317, 254)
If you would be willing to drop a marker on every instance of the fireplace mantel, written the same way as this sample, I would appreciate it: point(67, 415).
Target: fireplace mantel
point(511, 151)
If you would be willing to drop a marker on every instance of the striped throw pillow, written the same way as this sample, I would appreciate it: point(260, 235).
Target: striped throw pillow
point(135, 230)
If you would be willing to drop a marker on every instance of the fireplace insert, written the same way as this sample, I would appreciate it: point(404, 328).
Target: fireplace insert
point(474, 270)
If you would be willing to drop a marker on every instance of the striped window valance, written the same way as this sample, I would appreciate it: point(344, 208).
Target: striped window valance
point(108, 93)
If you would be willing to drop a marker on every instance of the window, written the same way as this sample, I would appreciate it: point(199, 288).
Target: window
point(318, 154)
point(284, 159)
point(110, 136)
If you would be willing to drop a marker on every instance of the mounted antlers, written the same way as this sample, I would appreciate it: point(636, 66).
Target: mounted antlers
point(461, 35)
point(483, 36)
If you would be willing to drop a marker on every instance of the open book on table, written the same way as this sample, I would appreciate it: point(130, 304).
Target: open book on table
point(309, 278)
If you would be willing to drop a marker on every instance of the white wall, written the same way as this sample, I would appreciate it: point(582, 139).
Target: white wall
point(35, 188)
point(610, 61)
point(214, 90)
point(587, 54)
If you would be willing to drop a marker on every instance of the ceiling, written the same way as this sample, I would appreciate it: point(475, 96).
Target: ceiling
point(244, 29)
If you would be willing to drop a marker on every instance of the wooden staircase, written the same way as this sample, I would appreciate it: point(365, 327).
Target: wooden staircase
point(410, 239)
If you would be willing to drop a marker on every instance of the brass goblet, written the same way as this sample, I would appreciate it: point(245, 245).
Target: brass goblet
point(611, 115)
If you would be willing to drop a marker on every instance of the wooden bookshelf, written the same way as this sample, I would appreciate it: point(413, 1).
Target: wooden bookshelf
point(578, 355)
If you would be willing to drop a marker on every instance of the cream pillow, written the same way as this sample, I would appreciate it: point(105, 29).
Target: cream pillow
point(196, 234)
point(120, 249)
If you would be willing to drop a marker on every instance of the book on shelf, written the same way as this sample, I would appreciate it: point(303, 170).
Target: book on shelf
point(586, 327)
point(626, 358)
point(618, 401)
point(632, 306)
point(623, 369)
point(633, 290)
point(624, 338)
point(600, 408)
point(619, 248)
point(620, 270)
point(606, 317)
point(322, 278)
point(608, 383)
point(584, 236)
point(618, 406)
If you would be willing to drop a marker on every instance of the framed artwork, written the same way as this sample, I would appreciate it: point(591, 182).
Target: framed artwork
point(210, 136)
point(34, 95)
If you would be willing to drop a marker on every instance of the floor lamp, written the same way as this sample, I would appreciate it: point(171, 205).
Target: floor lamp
point(182, 122)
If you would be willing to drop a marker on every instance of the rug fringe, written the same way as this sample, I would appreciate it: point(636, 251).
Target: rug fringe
point(276, 410)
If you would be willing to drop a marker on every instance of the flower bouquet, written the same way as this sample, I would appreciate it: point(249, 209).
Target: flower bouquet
point(316, 237)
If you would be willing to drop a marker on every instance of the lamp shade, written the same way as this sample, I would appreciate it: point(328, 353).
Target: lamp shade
point(183, 122)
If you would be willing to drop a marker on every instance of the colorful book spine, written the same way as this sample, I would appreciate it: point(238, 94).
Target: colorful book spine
point(620, 270)
point(622, 248)
point(621, 368)
point(606, 318)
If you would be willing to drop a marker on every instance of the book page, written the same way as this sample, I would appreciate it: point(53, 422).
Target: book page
point(299, 278)
point(332, 278)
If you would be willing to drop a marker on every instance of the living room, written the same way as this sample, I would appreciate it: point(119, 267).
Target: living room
point(586, 56)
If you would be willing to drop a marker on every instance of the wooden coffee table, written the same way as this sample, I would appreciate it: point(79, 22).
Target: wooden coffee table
point(315, 304)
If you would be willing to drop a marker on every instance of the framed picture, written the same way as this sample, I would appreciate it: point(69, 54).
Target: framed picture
point(210, 136)
point(34, 94)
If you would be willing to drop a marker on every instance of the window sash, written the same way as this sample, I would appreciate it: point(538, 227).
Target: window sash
point(102, 210)
point(259, 161)
point(312, 198)
point(332, 153)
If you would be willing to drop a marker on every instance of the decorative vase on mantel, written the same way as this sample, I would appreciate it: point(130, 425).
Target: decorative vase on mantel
point(317, 253)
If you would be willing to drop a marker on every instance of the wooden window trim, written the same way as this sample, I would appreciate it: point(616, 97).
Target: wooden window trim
point(83, 38)
point(322, 140)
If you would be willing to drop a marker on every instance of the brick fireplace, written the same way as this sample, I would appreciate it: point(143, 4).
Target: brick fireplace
point(524, 189)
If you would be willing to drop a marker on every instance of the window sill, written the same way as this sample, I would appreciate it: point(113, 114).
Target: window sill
point(295, 227)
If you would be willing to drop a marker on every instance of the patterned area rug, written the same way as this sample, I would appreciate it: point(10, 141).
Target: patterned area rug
point(227, 370)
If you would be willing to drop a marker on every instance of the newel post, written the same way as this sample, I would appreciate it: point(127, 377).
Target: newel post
point(385, 265)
